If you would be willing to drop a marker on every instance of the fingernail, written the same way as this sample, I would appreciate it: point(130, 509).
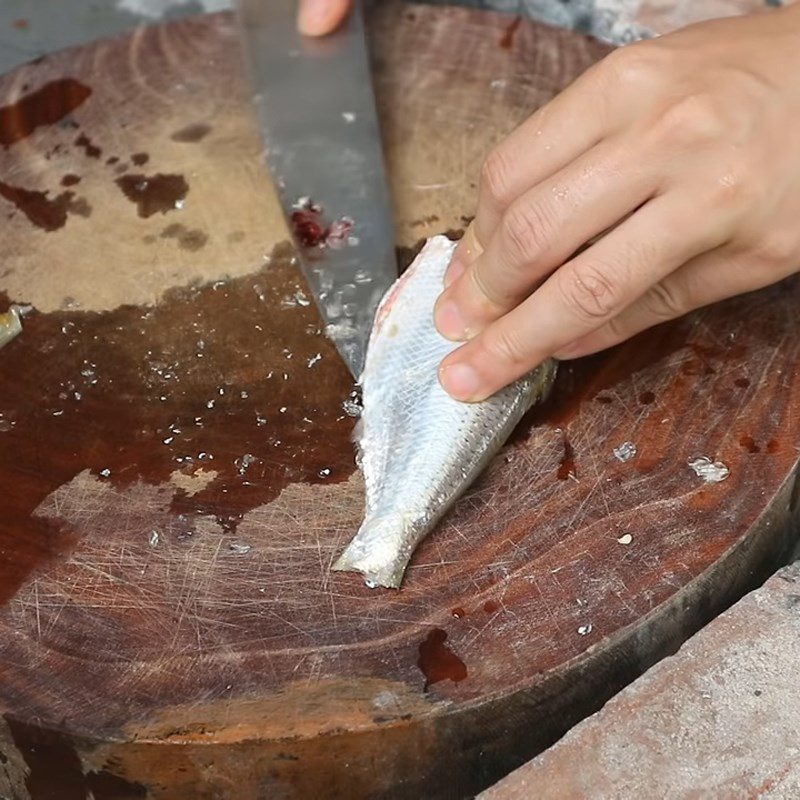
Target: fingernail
point(312, 16)
point(456, 269)
point(449, 322)
point(460, 381)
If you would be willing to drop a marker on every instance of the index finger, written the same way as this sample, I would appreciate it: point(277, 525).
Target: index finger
point(321, 17)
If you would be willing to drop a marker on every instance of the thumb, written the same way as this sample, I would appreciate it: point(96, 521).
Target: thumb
point(319, 17)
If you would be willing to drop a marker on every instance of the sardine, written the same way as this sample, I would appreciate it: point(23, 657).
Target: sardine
point(418, 448)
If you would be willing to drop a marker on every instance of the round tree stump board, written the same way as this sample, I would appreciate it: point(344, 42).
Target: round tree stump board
point(177, 474)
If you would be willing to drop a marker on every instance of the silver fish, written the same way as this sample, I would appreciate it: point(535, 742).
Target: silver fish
point(417, 447)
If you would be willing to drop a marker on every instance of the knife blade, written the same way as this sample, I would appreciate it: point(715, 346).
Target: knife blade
point(316, 108)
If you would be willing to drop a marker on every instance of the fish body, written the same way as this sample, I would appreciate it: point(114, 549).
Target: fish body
point(418, 448)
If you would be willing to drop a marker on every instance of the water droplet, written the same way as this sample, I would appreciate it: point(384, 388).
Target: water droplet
point(583, 630)
point(153, 539)
point(625, 452)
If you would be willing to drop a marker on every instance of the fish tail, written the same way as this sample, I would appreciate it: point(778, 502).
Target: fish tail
point(380, 551)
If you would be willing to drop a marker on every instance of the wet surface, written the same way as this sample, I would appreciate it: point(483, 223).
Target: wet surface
point(191, 133)
point(438, 662)
point(154, 194)
point(90, 149)
point(234, 377)
point(43, 211)
point(46, 106)
point(187, 239)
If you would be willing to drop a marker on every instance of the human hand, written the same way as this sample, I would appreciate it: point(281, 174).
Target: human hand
point(320, 17)
point(676, 159)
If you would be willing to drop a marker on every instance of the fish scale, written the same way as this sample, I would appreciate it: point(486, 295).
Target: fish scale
point(419, 449)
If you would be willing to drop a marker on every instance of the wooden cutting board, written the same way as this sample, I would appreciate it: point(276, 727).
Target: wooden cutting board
point(177, 474)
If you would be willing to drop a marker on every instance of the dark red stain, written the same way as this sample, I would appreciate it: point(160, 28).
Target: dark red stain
point(438, 662)
point(154, 194)
point(742, 383)
point(773, 446)
point(85, 144)
point(491, 607)
point(311, 230)
point(459, 613)
point(748, 443)
point(70, 180)
point(647, 398)
point(589, 378)
point(140, 159)
point(604, 399)
point(47, 213)
point(111, 161)
point(46, 106)
point(199, 380)
point(566, 466)
point(188, 239)
point(507, 39)
point(308, 225)
point(191, 133)
point(20, 24)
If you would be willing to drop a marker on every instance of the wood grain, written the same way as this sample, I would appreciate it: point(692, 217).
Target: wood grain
point(177, 472)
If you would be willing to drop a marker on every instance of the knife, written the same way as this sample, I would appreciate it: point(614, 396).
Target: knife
point(315, 104)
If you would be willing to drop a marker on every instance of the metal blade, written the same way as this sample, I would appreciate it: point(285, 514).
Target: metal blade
point(317, 111)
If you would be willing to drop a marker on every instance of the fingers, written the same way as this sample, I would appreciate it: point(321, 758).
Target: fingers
point(582, 296)
point(573, 122)
point(707, 279)
point(320, 17)
point(541, 230)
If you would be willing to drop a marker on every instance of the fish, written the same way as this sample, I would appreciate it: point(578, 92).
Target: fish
point(419, 449)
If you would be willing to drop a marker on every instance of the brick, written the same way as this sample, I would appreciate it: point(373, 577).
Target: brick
point(719, 719)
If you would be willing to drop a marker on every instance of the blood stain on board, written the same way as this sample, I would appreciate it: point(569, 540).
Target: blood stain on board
point(47, 105)
point(458, 612)
point(438, 662)
point(70, 180)
point(154, 194)
point(85, 143)
point(140, 159)
point(507, 39)
point(47, 213)
point(566, 466)
point(491, 606)
point(197, 381)
point(748, 443)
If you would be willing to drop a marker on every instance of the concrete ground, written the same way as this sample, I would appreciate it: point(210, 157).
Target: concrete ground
point(720, 719)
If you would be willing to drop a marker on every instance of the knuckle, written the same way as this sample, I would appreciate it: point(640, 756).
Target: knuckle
point(634, 65)
point(778, 249)
point(738, 186)
point(496, 178)
point(692, 121)
point(588, 291)
point(665, 300)
point(526, 231)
